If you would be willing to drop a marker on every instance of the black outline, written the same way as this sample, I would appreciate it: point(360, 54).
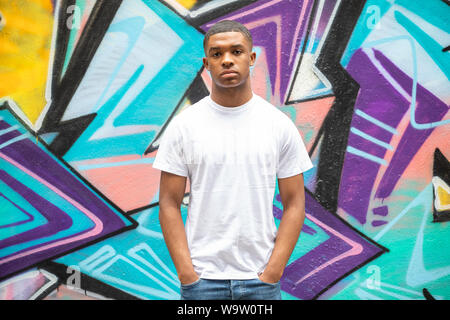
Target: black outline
point(427, 294)
point(291, 87)
point(441, 169)
point(212, 14)
point(336, 125)
point(96, 27)
point(61, 42)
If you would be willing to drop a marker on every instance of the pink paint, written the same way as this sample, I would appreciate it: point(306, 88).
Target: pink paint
point(207, 79)
point(355, 250)
point(128, 157)
point(95, 231)
point(260, 78)
point(118, 183)
point(277, 21)
point(297, 29)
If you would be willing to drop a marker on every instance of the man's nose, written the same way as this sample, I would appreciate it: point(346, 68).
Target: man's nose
point(227, 60)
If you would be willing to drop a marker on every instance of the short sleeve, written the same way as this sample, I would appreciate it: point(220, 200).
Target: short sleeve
point(169, 156)
point(293, 157)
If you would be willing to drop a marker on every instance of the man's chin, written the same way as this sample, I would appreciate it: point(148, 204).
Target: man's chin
point(228, 84)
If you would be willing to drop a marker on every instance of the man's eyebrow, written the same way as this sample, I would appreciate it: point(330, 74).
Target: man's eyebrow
point(213, 48)
point(238, 45)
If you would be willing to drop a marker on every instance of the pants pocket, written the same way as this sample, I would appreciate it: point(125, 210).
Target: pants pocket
point(190, 285)
point(269, 284)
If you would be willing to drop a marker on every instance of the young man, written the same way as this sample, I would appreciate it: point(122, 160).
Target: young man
point(232, 145)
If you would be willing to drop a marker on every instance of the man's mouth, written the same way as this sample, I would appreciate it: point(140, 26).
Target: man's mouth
point(228, 72)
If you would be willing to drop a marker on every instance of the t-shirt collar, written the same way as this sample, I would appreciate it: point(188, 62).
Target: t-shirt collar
point(232, 110)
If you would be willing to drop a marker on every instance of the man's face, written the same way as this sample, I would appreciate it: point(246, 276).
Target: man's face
point(228, 59)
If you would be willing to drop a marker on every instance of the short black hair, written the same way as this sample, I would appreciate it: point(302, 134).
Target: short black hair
point(227, 26)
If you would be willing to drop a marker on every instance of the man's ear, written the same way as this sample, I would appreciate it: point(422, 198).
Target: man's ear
point(252, 58)
point(205, 63)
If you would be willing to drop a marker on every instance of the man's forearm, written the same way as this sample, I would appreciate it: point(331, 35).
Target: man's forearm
point(287, 237)
point(175, 237)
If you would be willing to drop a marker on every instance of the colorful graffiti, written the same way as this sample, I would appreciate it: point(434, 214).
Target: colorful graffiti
point(88, 88)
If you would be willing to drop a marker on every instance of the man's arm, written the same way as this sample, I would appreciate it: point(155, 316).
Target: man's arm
point(171, 192)
point(293, 199)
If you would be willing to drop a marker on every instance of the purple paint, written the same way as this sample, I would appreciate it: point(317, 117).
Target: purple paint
point(377, 223)
point(278, 214)
point(380, 100)
point(333, 247)
point(8, 136)
point(30, 155)
point(57, 220)
point(368, 128)
point(429, 109)
point(360, 143)
point(381, 211)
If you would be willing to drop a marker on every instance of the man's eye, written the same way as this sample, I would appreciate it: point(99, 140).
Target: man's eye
point(216, 54)
point(237, 51)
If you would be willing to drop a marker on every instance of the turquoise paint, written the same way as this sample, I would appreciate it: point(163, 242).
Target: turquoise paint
point(49, 137)
point(435, 12)
point(116, 164)
point(132, 27)
point(413, 241)
point(125, 266)
point(18, 138)
point(9, 213)
point(431, 46)
point(154, 104)
point(306, 242)
point(371, 139)
point(376, 122)
point(36, 185)
point(366, 155)
point(37, 218)
point(81, 223)
point(362, 31)
point(414, 123)
point(85, 149)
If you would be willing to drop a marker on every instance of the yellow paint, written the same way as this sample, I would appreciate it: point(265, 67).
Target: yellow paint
point(443, 196)
point(187, 3)
point(25, 41)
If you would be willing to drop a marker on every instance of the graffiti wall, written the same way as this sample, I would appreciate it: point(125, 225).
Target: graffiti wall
point(88, 88)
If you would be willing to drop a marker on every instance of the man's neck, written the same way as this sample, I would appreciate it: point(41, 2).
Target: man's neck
point(231, 97)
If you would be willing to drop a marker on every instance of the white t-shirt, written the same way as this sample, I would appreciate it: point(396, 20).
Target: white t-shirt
point(232, 156)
